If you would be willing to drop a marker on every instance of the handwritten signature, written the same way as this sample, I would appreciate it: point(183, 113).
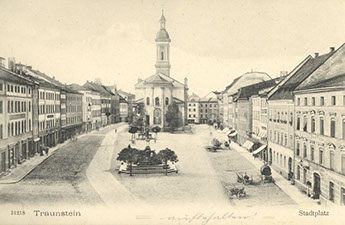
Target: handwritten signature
point(205, 218)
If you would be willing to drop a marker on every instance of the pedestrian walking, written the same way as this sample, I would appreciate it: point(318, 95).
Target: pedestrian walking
point(47, 151)
point(122, 167)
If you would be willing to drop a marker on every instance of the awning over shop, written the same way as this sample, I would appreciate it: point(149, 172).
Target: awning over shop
point(225, 130)
point(245, 144)
point(257, 151)
point(248, 145)
point(233, 134)
point(36, 139)
point(263, 134)
point(227, 133)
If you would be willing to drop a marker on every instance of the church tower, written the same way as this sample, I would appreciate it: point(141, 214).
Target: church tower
point(162, 45)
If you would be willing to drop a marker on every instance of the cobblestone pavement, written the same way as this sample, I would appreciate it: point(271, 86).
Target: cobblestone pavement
point(60, 179)
point(196, 184)
point(229, 162)
point(202, 176)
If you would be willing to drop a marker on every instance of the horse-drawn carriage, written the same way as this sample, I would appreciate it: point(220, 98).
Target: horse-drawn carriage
point(244, 178)
point(239, 192)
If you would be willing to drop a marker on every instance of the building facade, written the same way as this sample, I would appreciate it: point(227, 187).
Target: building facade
point(247, 111)
point(209, 109)
point(130, 99)
point(124, 109)
point(260, 121)
point(158, 91)
point(193, 105)
point(49, 114)
point(281, 132)
point(16, 133)
point(320, 131)
point(227, 95)
point(74, 113)
point(105, 100)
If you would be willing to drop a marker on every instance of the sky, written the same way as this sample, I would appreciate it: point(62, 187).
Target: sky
point(212, 42)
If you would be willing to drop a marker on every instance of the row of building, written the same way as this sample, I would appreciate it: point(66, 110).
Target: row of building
point(295, 123)
point(38, 111)
point(202, 110)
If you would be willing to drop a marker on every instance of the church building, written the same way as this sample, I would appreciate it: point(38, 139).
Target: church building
point(158, 91)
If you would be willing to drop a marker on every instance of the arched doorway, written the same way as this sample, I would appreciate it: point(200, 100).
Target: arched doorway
point(157, 116)
point(317, 186)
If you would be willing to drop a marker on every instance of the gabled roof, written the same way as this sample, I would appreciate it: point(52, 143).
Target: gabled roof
point(160, 78)
point(77, 87)
point(210, 97)
point(123, 100)
point(13, 77)
point(193, 97)
point(97, 87)
point(123, 93)
point(36, 74)
point(178, 101)
point(254, 89)
point(291, 82)
point(246, 79)
point(232, 83)
point(329, 74)
point(47, 78)
point(338, 81)
point(43, 83)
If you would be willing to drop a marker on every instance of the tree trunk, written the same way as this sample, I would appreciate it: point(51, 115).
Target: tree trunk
point(130, 169)
point(166, 167)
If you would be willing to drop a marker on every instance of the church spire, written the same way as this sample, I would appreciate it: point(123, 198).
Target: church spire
point(162, 45)
point(162, 20)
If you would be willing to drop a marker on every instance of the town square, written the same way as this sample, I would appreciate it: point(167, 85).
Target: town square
point(172, 113)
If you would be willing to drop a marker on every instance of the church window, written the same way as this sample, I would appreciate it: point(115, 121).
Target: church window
point(147, 101)
point(162, 55)
point(156, 101)
point(166, 101)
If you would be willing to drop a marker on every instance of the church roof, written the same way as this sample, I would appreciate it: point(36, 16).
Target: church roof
point(162, 34)
point(194, 97)
point(178, 101)
point(210, 97)
point(160, 78)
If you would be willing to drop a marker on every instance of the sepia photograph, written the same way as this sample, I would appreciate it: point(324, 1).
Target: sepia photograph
point(160, 112)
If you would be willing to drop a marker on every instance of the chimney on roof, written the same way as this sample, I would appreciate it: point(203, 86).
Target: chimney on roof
point(185, 82)
point(53, 77)
point(283, 73)
point(2, 63)
point(331, 49)
point(29, 67)
point(316, 54)
point(139, 80)
point(11, 64)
